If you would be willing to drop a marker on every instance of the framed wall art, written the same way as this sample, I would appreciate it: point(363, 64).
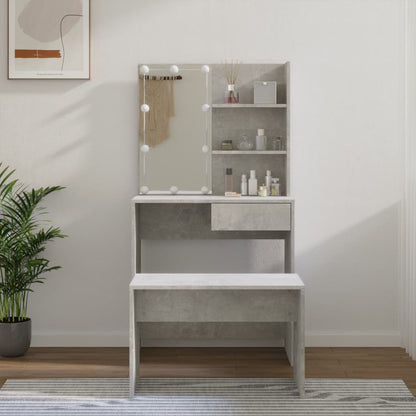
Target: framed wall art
point(49, 39)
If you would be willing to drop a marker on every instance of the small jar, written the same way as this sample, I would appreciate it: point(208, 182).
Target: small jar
point(263, 191)
point(227, 145)
point(276, 143)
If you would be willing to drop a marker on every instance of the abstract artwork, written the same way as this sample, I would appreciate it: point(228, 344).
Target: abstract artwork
point(49, 39)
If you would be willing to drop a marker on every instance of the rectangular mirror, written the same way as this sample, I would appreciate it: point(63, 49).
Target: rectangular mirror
point(175, 129)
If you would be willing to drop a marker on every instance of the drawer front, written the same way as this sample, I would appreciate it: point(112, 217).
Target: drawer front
point(250, 217)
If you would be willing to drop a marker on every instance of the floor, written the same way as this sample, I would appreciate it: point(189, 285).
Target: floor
point(388, 363)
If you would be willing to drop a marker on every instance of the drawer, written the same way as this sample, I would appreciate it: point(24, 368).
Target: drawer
point(250, 217)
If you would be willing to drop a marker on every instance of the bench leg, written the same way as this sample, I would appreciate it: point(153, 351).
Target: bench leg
point(299, 338)
point(134, 353)
point(289, 342)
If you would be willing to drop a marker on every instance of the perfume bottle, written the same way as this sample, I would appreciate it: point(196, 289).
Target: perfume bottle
point(228, 180)
point(275, 187)
point(244, 144)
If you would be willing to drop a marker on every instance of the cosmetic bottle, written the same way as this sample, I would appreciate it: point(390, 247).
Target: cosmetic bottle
point(243, 185)
point(263, 191)
point(228, 180)
point(252, 184)
point(261, 140)
point(275, 187)
point(268, 180)
point(276, 143)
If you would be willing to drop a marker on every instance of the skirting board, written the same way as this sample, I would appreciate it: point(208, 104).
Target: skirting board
point(313, 339)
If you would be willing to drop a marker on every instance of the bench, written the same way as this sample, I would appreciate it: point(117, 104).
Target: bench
point(269, 297)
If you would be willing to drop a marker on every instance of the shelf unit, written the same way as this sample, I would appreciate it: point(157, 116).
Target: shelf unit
point(232, 121)
point(249, 152)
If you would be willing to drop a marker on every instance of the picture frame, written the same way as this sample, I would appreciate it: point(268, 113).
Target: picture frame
point(49, 39)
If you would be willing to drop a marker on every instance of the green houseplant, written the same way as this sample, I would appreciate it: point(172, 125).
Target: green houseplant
point(23, 240)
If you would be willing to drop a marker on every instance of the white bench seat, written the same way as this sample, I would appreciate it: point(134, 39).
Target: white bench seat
point(268, 297)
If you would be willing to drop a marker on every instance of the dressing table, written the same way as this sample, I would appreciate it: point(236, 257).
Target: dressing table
point(182, 197)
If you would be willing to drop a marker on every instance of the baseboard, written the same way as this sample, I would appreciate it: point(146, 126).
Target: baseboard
point(80, 339)
point(313, 339)
point(353, 339)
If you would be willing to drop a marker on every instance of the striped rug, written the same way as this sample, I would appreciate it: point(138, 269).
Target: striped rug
point(216, 397)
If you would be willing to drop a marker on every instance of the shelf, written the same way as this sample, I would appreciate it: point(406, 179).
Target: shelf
point(249, 105)
point(249, 152)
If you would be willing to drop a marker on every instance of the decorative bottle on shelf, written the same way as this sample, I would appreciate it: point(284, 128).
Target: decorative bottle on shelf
point(244, 144)
point(261, 140)
point(243, 185)
point(275, 187)
point(228, 180)
point(276, 143)
point(268, 180)
point(231, 95)
point(252, 184)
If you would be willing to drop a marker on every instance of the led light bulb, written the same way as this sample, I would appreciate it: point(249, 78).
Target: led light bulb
point(205, 148)
point(173, 189)
point(144, 189)
point(174, 69)
point(145, 108)
point(145, 148)
point(144, 69)
point(205, 69)
point(204, 190)
point(205, 107)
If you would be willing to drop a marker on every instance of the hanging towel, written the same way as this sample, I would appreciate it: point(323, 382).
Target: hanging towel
point(159, 95)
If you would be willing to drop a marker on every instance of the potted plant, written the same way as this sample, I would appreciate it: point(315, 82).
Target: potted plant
point(23, 240)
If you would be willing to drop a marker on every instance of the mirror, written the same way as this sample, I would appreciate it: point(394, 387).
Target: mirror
point(175, 129)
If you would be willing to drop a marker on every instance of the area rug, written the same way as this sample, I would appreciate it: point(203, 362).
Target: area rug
point(216, 397)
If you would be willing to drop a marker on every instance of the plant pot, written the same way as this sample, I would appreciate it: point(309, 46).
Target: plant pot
point(15, 338)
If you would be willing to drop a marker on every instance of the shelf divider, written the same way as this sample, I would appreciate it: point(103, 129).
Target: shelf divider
point(249, 105)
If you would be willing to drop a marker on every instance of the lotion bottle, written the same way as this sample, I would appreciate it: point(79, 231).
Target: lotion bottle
point(268, 180)
point(243, 185)
point(261, 140)
point(252, 184)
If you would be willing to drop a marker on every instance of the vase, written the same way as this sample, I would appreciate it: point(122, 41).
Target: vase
point(231, 95)
point(15, 338)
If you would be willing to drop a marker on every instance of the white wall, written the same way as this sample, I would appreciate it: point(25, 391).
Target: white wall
point(347, 128)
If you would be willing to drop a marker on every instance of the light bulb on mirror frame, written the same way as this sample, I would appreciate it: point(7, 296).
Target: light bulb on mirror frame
point(173, 190)
point(205, 107)
point(144, 189)
point(174, 69)
point(144, 69)
point(204, 190)
point(205, 148)
point(205, 69)
point(145, 108)
point(144, 148)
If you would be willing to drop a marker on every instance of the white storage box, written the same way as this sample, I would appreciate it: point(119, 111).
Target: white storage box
point(265, 92)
